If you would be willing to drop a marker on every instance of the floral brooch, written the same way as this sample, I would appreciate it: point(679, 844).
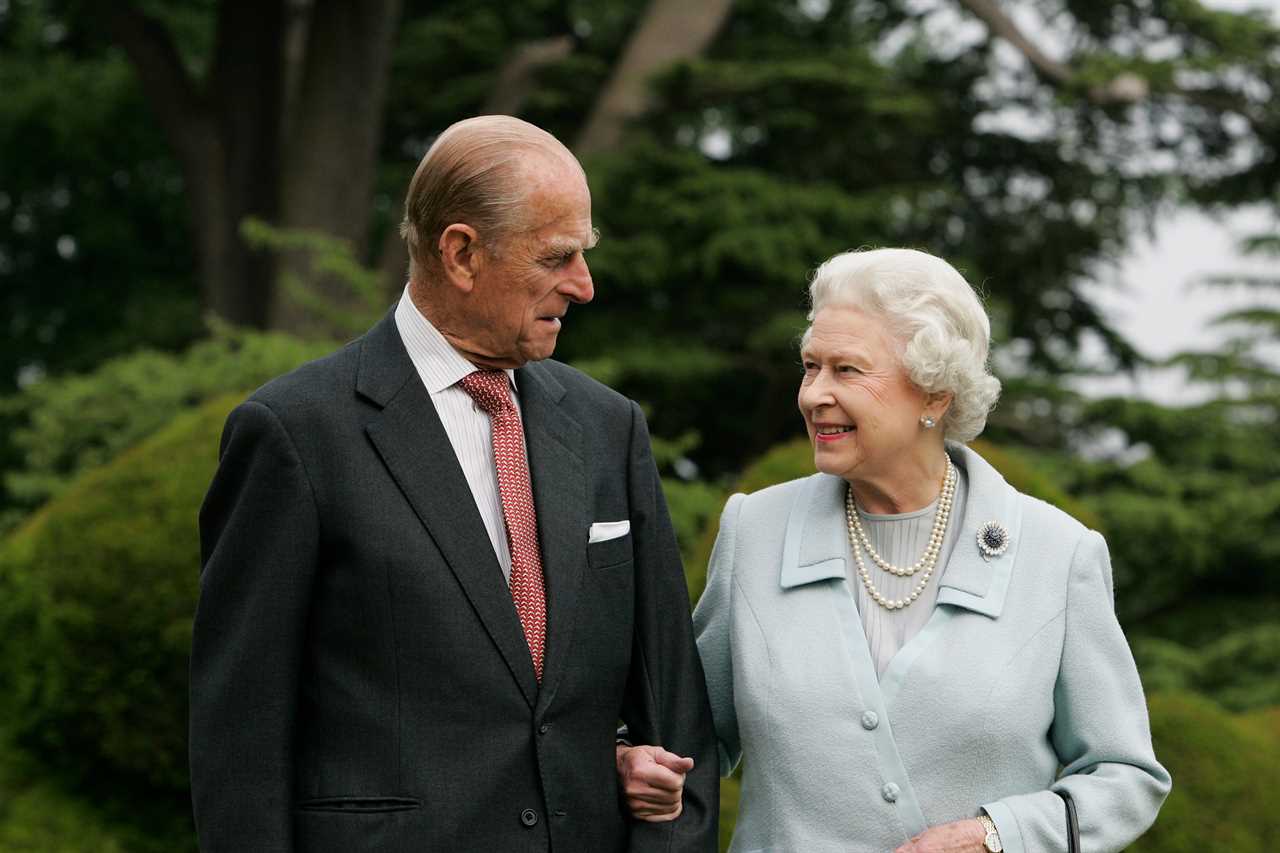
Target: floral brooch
point(993, 539)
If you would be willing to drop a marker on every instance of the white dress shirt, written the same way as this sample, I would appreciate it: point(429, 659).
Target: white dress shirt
point(441, 368)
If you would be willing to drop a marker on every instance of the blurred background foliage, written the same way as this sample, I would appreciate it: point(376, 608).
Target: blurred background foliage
point(197, 196)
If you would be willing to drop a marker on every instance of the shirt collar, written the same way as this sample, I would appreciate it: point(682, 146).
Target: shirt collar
point(438, 363)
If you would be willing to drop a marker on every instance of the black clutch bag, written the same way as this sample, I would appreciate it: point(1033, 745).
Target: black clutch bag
point(1073, 824)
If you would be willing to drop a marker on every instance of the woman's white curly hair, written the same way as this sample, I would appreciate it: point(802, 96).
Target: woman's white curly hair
point(932, 312)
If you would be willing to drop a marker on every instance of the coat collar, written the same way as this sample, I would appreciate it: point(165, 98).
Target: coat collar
point(816, 546)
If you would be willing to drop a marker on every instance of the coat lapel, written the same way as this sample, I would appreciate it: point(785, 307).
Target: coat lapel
point(971, 581)
point(411, 440)
point(816, 546)
point(554, 440)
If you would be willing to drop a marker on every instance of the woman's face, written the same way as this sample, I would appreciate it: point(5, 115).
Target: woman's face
point(861, 410)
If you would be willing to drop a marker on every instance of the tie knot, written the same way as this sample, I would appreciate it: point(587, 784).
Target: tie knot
point(489, 389)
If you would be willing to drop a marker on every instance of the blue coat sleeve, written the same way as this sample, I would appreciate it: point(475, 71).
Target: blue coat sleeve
point(712, 623)
point(1100, 730)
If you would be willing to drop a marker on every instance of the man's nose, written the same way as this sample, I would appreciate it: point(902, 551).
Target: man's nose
point(577, 286)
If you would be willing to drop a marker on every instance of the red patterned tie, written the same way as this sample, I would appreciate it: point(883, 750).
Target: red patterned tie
point(489, 389)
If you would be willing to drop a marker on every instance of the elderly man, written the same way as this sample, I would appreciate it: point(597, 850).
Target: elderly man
point(438, 569)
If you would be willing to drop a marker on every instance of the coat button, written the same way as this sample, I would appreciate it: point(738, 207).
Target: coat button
point(870, 720)
point(544, 728)
point(529, 817)
point(889, 792)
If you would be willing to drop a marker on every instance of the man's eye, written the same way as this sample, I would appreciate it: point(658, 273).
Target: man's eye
point(848, 368)
point(810, 366)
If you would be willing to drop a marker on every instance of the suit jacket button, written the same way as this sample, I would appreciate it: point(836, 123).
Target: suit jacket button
point(544, 728)
point(529, 817)
point(889, 792)
point(870, 720)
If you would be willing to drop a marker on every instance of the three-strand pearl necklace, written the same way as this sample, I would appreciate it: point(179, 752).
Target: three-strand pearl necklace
point(928, 560)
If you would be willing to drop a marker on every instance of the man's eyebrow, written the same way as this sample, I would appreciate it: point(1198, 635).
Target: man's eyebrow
point(563, 246)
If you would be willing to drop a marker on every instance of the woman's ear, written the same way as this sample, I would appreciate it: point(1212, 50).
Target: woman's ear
point(936, 404)
point(460, 255)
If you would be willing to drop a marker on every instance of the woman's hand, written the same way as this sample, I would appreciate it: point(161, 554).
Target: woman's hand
point(959, 836)
point(652, 780)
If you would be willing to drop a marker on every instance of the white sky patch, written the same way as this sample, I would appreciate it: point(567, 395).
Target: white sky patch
point(1157, 299)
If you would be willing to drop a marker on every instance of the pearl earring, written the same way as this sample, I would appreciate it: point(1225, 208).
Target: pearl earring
point(928, 422)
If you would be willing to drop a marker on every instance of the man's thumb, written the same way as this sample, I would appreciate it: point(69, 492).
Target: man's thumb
point(671, 761)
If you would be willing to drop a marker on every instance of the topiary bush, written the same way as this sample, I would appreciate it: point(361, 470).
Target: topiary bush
point(1239, 669)
point(59, 427)
point(97, 595)
point(1225, 768)
point(38, 815)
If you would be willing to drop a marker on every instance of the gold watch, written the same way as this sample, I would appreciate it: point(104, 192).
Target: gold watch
point(992, 841)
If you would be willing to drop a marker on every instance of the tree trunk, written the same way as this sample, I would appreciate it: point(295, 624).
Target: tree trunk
point(225, 134)
point(670, 31)
point(331, 152)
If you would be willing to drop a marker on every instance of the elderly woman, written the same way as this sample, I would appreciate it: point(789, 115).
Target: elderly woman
point(911, 654)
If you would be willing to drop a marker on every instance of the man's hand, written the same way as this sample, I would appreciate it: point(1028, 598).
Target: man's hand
point(960, 836)
point(652, 780)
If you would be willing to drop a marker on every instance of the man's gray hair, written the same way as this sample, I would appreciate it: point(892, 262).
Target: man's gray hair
point(942, 331)
point(476, 172)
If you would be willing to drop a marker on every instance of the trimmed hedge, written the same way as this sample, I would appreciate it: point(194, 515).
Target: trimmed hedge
point(63, 426)
point(1225, 767)
point(101, 586)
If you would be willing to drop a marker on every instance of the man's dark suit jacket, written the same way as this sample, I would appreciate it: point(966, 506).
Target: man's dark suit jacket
point(359, 677)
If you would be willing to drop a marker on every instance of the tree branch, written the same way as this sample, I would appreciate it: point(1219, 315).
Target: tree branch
point(175, 97)
point(669, 31)
point(1123, 89)
point(1001, 25)
point(515, 79)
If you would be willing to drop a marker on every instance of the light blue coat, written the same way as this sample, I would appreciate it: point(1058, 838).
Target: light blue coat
point(1021, 669)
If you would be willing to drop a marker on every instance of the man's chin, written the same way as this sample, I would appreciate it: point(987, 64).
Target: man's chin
point(538, 351)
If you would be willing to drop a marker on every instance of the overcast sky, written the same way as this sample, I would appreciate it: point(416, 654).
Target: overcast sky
point(1153, 298)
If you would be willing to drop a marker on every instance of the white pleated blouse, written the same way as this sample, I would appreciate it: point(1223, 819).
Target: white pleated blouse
point(900, 538)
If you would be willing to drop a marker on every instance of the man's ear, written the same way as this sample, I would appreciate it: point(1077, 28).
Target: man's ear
point(460, 255)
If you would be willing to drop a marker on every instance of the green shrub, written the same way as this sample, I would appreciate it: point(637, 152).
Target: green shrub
point(38, 814)
point(101, 585)
point(1225, 769)
point(1238, 670)
point(65, 425)
point(730, 793)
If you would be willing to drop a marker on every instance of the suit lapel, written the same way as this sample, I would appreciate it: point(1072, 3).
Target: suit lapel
point(559, 479)
point(411, 440)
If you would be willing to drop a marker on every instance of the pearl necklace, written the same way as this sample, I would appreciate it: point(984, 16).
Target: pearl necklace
point(928, 560)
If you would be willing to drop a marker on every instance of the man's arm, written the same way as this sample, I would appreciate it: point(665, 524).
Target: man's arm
point(666, 702)
point(258, 532)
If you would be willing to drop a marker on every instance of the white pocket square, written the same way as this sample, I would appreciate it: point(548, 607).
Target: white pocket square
point(603, 531)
